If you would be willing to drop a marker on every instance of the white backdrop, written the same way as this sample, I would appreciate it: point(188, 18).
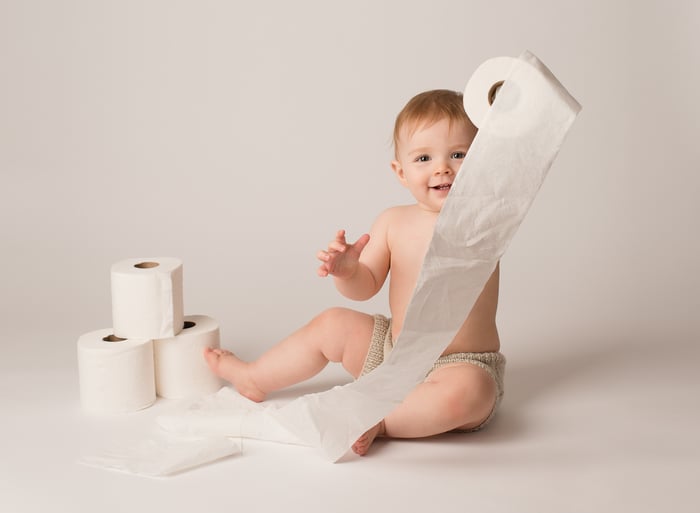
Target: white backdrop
point(239, 136)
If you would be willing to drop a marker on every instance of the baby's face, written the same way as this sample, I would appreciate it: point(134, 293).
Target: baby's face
point(428, 160)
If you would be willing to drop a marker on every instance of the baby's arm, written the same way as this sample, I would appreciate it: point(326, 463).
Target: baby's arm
point(359, 269)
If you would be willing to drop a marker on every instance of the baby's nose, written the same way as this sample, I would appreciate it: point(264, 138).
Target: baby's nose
point(443, 168)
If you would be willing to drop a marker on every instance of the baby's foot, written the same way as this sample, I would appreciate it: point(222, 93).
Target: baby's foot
point(361, 446)
point(228, 366)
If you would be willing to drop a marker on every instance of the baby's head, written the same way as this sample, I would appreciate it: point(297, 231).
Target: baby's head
point(427, 108)
point(431, 138)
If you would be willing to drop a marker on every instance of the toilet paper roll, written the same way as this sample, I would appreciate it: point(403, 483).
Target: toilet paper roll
point(517, 113)
point(181, 371)
point(116, 374)
point(147, 298)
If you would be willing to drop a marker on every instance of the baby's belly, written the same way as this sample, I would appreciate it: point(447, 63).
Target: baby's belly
point(469, 339)
point(475, 340)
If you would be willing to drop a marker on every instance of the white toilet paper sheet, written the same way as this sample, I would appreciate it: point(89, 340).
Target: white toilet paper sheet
point(518, 139)
point(162, 454)
point(227, 413)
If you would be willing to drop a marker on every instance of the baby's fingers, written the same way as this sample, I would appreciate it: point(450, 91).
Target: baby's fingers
point(361, 243)
point(339, 243)
point(337, 246)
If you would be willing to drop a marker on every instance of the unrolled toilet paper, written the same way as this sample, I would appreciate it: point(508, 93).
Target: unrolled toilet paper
point(116, 375)
point(227, 412)
point(181, 371)
point(161, 454)
point(147, 298)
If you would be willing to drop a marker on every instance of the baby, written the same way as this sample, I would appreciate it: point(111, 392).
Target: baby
point(431, 137)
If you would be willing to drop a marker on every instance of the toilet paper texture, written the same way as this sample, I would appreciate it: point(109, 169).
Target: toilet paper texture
point(181, 371)
point(162, 454)
point(228, 414)
point(147, 297)
point(115, 376)
point(483, 86)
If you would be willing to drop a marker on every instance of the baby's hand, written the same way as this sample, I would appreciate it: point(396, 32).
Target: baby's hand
point(341, 259)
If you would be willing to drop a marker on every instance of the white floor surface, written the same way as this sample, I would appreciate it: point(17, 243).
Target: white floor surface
point(605, 426)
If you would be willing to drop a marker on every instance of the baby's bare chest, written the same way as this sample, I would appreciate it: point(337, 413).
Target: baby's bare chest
point(408, 249)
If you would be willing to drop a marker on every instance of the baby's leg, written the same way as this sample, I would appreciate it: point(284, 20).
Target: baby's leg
point(336, 335)
point(455, 396)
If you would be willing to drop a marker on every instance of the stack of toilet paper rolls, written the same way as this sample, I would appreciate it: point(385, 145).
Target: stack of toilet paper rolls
point(152, 348)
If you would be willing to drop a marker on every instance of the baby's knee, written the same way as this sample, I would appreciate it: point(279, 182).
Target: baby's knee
point(473, 398)
point(331, 316)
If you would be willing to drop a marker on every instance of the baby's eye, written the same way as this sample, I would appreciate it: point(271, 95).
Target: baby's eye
point(458, 155)
point(423, 158)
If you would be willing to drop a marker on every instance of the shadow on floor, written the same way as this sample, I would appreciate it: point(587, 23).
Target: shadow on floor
point(552, 367)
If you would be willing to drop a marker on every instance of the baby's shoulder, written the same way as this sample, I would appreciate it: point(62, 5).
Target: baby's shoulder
point(399, 220)
point(399, 214)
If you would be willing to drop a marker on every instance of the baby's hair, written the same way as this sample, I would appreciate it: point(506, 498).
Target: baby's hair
point(430, 107)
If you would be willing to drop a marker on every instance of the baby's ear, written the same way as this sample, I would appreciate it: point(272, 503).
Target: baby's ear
point(398, 171)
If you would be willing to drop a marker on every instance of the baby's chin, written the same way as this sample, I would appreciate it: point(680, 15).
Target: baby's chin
point(432, 207)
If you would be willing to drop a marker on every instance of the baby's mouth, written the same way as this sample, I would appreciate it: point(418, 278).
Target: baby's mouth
point(442, 187)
